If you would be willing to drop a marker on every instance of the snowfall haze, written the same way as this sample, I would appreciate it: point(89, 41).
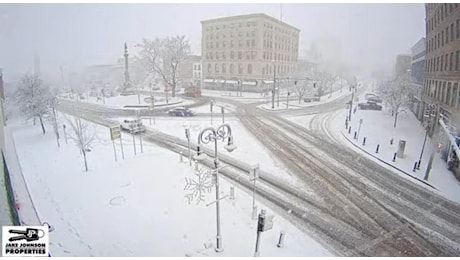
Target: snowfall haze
point(365, 37)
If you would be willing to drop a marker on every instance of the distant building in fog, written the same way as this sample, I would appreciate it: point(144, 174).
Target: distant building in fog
point(403, 65)
point(247, 49)
point(190, 70)
point(417, 75)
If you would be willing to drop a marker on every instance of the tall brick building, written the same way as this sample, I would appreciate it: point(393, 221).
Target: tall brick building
point(247, 50)
point(442, 75)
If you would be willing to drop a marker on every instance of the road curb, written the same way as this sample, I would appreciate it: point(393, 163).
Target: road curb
point(413, 177)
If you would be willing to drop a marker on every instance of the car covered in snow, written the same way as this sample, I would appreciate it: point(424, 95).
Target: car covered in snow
point(133, 126)
point(181, 111)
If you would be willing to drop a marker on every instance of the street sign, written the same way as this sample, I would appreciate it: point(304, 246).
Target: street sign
point(115, 132)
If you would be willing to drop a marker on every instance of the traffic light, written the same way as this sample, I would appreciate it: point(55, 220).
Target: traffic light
point(314, 85)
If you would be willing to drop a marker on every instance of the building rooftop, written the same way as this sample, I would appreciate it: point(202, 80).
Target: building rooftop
point(254, 15)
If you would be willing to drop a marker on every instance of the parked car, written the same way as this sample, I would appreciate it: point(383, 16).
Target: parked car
point(181, 111)
point(375, 99)
point(133, 126)
point(369, 106)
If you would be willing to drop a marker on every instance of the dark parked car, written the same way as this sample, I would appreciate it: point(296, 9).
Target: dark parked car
point(181, 111)
point(375, 99)
point(369, 106)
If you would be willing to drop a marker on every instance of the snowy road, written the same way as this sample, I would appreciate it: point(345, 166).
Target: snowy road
point(367, 209)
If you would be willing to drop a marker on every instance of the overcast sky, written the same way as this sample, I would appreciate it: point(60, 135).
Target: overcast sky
point(76, 35)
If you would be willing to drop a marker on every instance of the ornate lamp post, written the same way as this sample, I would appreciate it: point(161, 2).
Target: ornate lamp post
point(208, 135)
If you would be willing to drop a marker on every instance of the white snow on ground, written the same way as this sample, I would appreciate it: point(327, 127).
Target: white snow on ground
point(216, 108)
point(133, 100)
point(294, 103)
point(249, 149)
point(136, 206)
point(377, 127)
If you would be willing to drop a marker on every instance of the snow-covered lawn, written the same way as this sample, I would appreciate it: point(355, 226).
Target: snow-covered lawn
point(136, 206)
point(249, 149)
point(133, 100)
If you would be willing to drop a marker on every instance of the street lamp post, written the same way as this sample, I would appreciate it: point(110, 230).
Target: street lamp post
point(430, 162)
point(429, 117)
point(208, 135)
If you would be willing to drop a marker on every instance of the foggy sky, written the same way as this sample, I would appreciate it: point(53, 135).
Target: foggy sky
point(77, 35)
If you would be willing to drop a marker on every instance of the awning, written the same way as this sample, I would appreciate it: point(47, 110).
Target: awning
point(250, 83)
point(208, 80)
point(268, 81)
point(231, 82)
point(219, 81)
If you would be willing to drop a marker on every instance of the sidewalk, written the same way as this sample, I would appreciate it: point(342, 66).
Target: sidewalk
point(377, 128)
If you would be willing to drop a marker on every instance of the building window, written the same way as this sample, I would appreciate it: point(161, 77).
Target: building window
point(248, 43)
point(446, 62)
point(231, 44)
point(253, 43)
point(224, 69)
point(449, 94)
point(232, 68)
point(232, 55)
point(457, 91)
point(240, 68)
point(216, 68)
point(209, 68)
point(263, 70)
point(452, 32)
point(442, 63)
point(442, 38)
point(248, 55)
point(224, 44)
point(249, 68)
point(447, 34)
point(217, 44)
point(458, 29)
point(457, 61)
point(240, 55)
point(451, 61)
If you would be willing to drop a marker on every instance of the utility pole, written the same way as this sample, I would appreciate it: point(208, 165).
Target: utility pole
point(351, 103)
point(435, 133)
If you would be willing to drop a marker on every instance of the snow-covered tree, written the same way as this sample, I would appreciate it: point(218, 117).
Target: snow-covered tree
point(398, 93)
point(33, 98)
point(300, 87)
point(164, 56)
point(83, 134)
point(323, 80)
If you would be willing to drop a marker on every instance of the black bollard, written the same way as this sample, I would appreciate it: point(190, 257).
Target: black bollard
point(349, 130)
point(391, 141)
point(377, 148)
point(415, 166)
point(355, 135)
point(394, 157)
point(364, 141)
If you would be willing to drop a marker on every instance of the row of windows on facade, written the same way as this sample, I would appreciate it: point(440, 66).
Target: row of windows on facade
point(218, 27)
point(438, 17)
point(248, 24)
point(252, 43)
point(447, 62)
point(446, 92)
point(442, 37)
point(249, 34)
point(267, 69)
point(196, 66)
point(250, 55)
